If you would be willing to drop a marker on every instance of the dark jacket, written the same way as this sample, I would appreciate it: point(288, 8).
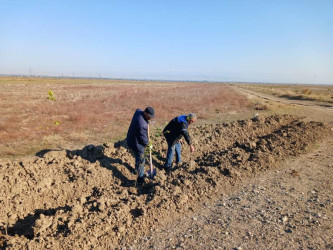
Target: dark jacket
point(177, 128)
point(137, 135)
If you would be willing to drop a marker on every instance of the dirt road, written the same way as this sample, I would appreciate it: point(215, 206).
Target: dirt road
point(310, 110)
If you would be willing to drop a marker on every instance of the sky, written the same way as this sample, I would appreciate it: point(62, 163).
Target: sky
point(276, 41)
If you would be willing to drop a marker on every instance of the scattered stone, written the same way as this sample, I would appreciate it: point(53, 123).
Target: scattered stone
point(284, 218)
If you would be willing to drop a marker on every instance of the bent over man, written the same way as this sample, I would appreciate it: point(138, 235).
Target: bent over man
point(137, 138)
point(173, 132)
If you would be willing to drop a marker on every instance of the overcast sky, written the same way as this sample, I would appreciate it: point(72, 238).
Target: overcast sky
point(282, 41)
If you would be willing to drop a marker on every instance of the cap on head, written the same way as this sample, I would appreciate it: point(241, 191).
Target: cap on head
point(150, 112)
point(192, 117)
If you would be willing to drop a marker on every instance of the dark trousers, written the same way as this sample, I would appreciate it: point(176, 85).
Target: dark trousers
point(139, 163)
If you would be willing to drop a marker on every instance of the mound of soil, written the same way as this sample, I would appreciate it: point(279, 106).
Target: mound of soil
point(86, 198)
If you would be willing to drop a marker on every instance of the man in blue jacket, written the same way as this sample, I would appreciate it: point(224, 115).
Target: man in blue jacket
point(173, 132)
point(137, 138)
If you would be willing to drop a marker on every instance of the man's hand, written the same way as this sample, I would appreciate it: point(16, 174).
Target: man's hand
point(192, 148)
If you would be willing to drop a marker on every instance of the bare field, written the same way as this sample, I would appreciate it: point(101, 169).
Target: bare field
point(96, 110)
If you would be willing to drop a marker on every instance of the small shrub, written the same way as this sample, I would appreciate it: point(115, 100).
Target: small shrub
point(260, 106)
point(50, 95)
point(158, 132)
point(306, 91)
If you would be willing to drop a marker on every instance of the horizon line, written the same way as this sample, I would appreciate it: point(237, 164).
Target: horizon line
point(159, 80)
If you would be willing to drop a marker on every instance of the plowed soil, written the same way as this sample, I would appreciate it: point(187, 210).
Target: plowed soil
point(73, 199)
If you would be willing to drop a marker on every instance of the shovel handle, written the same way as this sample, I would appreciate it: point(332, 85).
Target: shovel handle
point(151, 162)
point(150, 158)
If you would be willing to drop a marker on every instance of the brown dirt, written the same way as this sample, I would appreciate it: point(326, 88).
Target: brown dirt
point(289, 207)
point(71, 199)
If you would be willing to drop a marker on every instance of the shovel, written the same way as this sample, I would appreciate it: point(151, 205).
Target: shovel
point(152, 171)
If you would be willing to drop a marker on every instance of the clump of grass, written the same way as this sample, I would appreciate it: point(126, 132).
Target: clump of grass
point(306, 91)
point(260, 106)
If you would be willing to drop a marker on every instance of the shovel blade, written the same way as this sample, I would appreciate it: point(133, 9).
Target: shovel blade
point(151, 173)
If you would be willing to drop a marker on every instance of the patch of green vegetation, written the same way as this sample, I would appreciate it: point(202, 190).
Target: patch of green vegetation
point(158, 132)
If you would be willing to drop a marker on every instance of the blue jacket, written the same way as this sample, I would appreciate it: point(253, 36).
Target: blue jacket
point(176, 129)
point(137, 135)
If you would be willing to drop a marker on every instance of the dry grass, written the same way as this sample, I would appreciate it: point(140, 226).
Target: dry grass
point(96, 110)
point(298, 92)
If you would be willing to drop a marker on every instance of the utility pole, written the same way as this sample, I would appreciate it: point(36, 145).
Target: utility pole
point(30, 71)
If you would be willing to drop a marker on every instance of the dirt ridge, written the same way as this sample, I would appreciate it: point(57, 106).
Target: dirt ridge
point(81, 198)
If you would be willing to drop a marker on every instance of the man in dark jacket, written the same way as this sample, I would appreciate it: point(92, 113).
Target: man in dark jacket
point(173, 132)
point(137, 138)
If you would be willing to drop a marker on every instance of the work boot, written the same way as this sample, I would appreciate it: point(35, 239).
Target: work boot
point(140, 181)
point(167, 169)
